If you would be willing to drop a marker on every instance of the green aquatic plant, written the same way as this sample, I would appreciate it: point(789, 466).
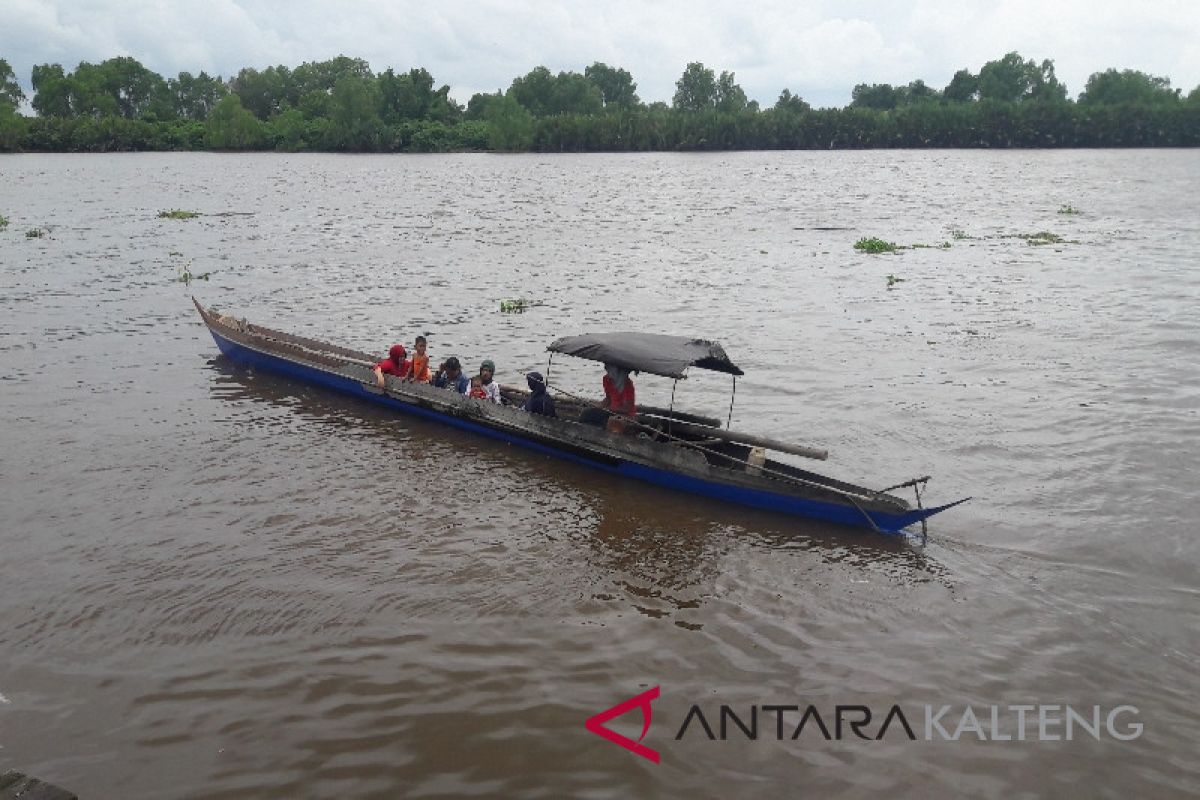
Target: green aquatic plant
point(1043, 237)
point(1067, 208)
point(186, 276)
point(178, 214)
point(960, 235)
point(893, 280)
point(36, 233)
point(517, 305)
point(875, 245)
point(3, 222)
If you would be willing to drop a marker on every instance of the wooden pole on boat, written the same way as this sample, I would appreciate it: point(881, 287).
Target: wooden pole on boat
point(750, 439)
point(677, 426)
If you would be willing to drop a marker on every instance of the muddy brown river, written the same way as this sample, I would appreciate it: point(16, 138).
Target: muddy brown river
point(216, 582)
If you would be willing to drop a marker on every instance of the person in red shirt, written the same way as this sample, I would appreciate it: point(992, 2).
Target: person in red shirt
point(618, 406)
point(395, 364)
point(618, 398)
point(618, 391)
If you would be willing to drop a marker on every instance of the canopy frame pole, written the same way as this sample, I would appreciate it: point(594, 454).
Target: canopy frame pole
point(729, 419)
point(549, 363)
point(674, 386)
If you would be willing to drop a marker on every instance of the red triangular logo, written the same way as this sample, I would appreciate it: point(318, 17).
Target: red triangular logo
point(596, 724)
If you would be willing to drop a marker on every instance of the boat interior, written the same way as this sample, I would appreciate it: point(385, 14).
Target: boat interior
point(665, 425)
point(661, 424)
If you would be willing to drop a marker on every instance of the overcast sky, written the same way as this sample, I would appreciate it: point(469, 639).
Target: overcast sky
point(818, 50)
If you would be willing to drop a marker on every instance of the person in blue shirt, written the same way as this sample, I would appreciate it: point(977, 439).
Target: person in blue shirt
point(450, 376)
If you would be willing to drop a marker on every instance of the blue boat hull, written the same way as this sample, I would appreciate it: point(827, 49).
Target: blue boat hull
point(838, 513)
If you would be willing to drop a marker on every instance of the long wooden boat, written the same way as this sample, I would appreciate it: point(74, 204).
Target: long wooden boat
point(671, 449)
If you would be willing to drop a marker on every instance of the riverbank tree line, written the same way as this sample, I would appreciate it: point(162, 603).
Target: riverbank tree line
point(342, 105)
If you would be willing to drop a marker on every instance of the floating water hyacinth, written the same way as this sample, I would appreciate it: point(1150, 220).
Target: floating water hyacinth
point(875, 245)
point(517, 305)
point(186, 276)
point(178, 214)
point(1044, 237)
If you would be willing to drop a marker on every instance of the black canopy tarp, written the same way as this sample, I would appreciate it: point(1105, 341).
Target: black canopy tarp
point(655, 353)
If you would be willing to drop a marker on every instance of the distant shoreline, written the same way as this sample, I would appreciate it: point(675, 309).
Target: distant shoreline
point(981, 125)
point(343, 106)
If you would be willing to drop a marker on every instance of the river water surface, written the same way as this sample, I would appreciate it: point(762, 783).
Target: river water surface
point(218, 583)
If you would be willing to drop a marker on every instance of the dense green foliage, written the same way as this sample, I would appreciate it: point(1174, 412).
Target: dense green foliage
point(341, 105)
point(875, 245)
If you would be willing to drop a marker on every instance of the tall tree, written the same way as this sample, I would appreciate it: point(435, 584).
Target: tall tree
point(11, 124)
point(791, 102)
point(119, 86)
point(352, 112)
point(196, 95)
point(1127, 86)
point(1046, 85)
point(405, 97)
point(916, 92)
point(963, 87)
point(10, 90)
point(324, 75)
point(880, 96)
point(730, 98)
point(534, 90)
point(480, 105)
point(575, 94)
point(265, 93)
point(545, 94)
point(232, 127)
point(1012, 79)
point(52, 90)
point(696, 89)
point(511, 125)
point(616, 86)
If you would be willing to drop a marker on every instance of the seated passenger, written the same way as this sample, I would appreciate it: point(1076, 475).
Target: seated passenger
point(477, 389)
point(618, 391)
point(618, 398)
point(394, 364)
point(491, 389)
point(540, 401)
point(419, 371)
point(618, 405)
point(450, 376)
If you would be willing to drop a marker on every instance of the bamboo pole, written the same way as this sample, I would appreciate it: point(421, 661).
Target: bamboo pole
point(748, 438)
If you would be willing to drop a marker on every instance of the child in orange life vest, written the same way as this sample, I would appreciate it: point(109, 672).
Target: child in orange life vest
point(419, 371)
point(477, 388)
